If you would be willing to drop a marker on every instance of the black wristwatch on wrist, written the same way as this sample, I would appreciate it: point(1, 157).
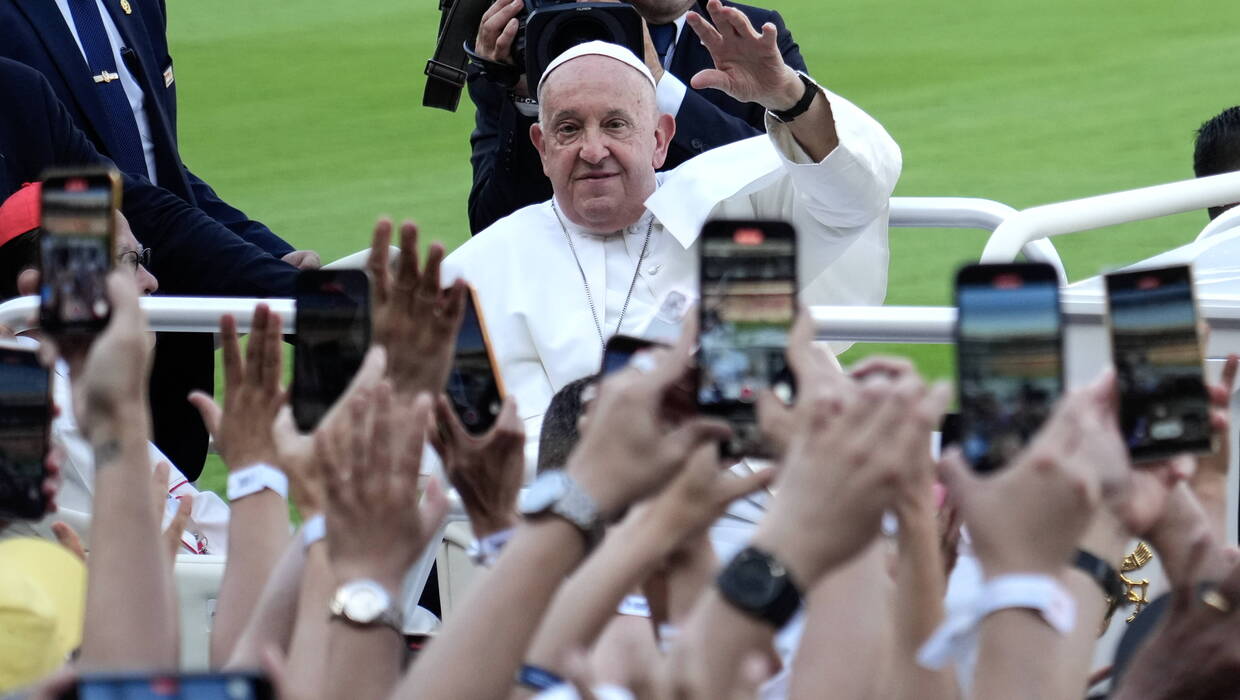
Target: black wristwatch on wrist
point(802, 106)
point(1105, 575)
point(755, 583)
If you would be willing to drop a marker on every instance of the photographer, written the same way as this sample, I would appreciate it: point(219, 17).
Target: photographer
point(507, 171)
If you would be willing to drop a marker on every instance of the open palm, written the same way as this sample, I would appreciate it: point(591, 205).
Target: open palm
point(748, 64)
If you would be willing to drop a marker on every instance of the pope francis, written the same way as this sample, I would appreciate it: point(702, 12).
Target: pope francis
point(556, 279)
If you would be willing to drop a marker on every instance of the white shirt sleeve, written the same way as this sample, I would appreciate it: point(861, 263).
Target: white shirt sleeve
point(669, 94)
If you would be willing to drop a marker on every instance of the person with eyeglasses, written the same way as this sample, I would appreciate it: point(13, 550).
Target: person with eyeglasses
point(207, 529)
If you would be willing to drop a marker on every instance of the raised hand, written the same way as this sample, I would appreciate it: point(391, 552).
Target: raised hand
point(113, 376)
point(252, 393)
point(375, 525)
point(411, 315)
point(748, 64)
point(486, 471)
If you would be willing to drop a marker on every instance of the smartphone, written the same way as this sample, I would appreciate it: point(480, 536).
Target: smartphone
point(748, 288)
point(620, 349)
point(187, 686)
point(77, 249)
point(332, 336)
point(25, 426)
point(1009, 350)
point(1164, 406)
point(475, 389)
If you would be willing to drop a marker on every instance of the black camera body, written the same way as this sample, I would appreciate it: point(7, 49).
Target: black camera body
point(551, 27)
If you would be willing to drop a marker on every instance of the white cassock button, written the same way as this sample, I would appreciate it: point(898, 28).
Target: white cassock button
point(653, 269)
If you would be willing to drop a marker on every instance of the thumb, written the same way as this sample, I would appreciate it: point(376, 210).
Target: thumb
point(208, 409)
point(711, 78)
point(956, 475)
point(434, 507)
point(733, 488)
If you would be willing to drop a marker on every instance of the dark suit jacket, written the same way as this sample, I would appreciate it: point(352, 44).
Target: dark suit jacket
point(508, 173)
point(191, 253)
point(36, 34)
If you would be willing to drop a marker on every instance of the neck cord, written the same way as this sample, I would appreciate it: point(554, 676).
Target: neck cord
point(598, 326)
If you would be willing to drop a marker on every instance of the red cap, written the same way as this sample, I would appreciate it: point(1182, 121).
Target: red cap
point(20, 212)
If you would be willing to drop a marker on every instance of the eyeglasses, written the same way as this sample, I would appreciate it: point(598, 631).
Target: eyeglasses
point(134, 258)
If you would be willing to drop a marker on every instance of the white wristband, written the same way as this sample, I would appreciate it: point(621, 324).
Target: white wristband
point(957, 635)
point(485, 551)
point(313, 530)
point(255, 478)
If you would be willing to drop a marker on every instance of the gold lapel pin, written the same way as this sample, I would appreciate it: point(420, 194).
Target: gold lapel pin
point(126, 7)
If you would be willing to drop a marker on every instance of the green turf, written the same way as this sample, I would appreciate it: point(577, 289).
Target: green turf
point(308, 115)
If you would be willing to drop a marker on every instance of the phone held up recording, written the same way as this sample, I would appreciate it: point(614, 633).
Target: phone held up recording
point(25, 423)
point(748, 287)
point(77, 249)
point(474, 389)
point(1009, 349)
point(1156, 347)
point(333, 334)
point(184, 686)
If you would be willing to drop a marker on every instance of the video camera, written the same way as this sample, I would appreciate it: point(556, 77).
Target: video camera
point(547, 28)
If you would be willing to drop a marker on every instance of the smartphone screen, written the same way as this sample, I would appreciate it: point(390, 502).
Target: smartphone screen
point(25, 419)
point(194, 686)
point(1164, 407)
point(333, 334)
point(474, 387)
point(748, 277)
point(1008, 357)
point(77, 249)
point(620, 349)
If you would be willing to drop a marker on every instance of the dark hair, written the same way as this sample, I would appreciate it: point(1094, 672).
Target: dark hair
point(1218, 147)
point(559, 428)
point(17, 255)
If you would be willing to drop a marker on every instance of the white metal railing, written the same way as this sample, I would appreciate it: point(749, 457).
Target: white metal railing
point(1108, 210)
point(968, 212)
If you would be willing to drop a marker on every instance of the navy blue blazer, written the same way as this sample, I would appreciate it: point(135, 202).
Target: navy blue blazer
point(35, 33)
point(191, 253)
point(508, 174)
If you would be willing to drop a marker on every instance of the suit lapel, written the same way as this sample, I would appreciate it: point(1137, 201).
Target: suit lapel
point(49, 24)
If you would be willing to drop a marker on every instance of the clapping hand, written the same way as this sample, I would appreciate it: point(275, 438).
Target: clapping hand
point(252, 393)
point(411, 315)
point(487, 470)
point(748, 65)
point(375, 525)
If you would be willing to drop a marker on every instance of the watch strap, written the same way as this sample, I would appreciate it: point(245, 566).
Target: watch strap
point(1101, 572)
point(777, 610)
point(802, 106)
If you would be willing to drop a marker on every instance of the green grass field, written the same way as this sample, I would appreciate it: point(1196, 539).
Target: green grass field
point(308, 115)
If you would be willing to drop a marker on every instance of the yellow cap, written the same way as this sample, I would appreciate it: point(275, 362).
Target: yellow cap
point(42, 600)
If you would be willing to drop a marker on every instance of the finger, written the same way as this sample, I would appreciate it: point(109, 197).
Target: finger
point(1229, 373)
point(159, 488)
point(381, 435)
point(882, 364)
point(127, 316)
point(453, 307)
point(230, 346)
point(185, 506)
point(443, 437)
point(273, 357)
point(434, 507)
point(695, 432)
point(411, 465)
point(770, 37)
point(253, 374)
point(715, 10)
point(208, 409)
point(705, 31)
point(355, 436)
point(430, 275)
point(509, 420)
point(957, 477)
point(1184, 593)
point(507, 37)
point(371, 371)
point(732, 487)
point(710, 78)
point(377, 263)
point(407, 270)
point(68, 538)
point(738, 22)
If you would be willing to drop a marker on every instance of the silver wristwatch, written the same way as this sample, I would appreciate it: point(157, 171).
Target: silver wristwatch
point(555, 493)
point(365, 602)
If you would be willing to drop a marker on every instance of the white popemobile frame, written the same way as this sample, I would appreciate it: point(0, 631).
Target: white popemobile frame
point(1014, 232)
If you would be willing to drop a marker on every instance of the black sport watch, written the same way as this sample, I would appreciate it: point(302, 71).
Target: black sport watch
point(759, 586)
point(812, 89)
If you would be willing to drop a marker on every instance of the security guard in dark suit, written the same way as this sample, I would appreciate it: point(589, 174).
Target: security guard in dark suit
point(108, 62)
point(507, 171)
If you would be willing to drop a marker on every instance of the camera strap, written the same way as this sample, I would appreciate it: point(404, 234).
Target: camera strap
point(445, 71)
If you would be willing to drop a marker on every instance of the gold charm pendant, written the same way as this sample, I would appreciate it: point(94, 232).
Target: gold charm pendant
point(126, 7)
point(1138, 590)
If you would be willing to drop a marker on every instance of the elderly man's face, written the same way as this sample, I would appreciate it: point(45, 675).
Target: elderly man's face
point(127, 247)
point(600, 139)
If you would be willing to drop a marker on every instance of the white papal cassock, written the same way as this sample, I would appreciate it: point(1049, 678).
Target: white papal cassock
point(535, 303)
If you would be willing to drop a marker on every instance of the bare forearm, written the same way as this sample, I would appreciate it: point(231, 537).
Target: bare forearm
point(1018, 657)
point(815, 130)
point(920, 585)
point(505, 608)
point(588, 600)
point(272, 620)
point(130, 605)
point(716, 642)
point(307, 654)
point(363, 663)
point(847, 641)
point(258, 527)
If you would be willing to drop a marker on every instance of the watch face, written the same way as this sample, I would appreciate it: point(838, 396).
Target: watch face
point(543, 493)
point(753, 582)
point(364, 603)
